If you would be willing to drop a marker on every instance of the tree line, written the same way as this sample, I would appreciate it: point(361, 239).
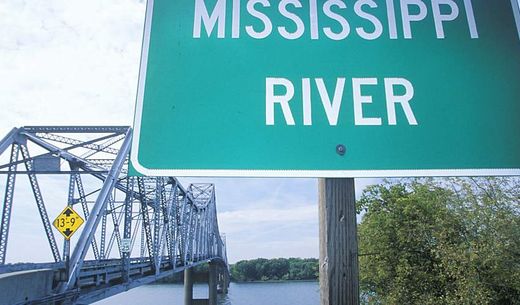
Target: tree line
point(285, 269)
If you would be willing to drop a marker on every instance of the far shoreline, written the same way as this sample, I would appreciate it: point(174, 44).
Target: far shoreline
point(244, 282)
point(273, 281)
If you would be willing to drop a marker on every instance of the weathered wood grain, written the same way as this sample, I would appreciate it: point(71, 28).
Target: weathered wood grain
point(339, 274)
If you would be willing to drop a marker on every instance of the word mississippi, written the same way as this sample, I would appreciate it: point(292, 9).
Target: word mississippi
point(296, 19)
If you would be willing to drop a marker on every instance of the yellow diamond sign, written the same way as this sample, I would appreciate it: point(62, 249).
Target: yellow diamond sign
point(68, 222)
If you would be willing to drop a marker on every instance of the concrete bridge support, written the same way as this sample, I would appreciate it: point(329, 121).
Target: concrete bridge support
point(188, 286)
point(216, 277)
point(222, 282)
point(212, 283)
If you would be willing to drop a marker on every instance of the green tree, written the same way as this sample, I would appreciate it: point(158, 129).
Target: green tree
point(278, 269)
point(440, 242)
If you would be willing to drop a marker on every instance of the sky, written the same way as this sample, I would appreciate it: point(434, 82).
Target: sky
point(71, 62)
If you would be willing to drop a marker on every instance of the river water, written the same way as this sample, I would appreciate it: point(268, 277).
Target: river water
point(277, 293)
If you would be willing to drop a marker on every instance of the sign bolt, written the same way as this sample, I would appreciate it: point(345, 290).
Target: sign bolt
point(341, 149)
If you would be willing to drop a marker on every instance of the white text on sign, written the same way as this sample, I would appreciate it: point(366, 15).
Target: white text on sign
point(332, 102)
point(295, 16)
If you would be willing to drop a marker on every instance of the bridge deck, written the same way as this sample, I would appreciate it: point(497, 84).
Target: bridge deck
point(100, 279)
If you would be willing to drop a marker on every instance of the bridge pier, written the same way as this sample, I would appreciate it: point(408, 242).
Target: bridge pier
point(188, 286)
point(212, 283)
point(222, 283)
point(215, 278)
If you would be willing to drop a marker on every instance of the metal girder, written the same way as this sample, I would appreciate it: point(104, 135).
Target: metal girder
point(195, 241)
point(116, 234)
point(70, 157)
point(90, 168)
point(8, 140)
point(84, 144)
point(143, 237)
point(86, 213)
point(52, 172)
point(105, 146)
point(173, 225)
point(77, 129)
point(127, 228)
point(102, 244)
point(184, 230)
point(8, 203)
point(157, 236)
point(40, 204)
point(70, 203)
point(167, 206)
point(74, 144)
point(191, 232)
point(146, 220)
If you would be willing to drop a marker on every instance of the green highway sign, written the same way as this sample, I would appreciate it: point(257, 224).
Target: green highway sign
point(329, 88)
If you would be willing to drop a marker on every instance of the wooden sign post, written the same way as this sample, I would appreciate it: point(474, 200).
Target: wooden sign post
point(339, 273)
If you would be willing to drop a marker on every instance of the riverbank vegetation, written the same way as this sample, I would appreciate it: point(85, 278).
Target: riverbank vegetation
point(279, 269)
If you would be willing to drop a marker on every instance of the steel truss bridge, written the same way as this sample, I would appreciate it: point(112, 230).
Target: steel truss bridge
point(137, 229)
